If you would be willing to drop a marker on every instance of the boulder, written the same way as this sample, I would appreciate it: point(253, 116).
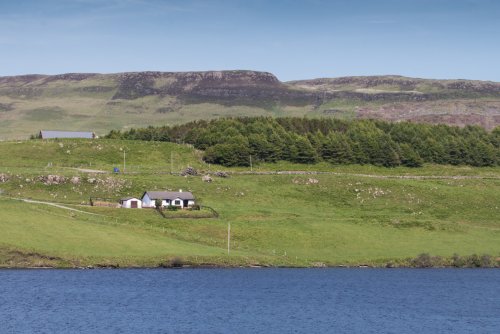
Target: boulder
point(189, 171)
point(4, 177)
point(221, 174)
point(75, 180)
point(312, 181)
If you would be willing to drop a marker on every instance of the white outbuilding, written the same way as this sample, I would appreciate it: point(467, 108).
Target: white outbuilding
point(131, 203)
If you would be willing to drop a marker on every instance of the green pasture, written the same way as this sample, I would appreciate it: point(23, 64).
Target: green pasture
point(355, 215)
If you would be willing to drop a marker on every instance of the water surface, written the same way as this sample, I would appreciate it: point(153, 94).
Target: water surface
point(250, 301)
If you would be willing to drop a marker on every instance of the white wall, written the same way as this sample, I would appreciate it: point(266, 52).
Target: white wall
point(177, 199)
point(150, 203)
point(147, 202)
point(128, 203)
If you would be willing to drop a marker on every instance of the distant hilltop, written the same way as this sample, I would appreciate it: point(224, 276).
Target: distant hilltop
point(103, 102)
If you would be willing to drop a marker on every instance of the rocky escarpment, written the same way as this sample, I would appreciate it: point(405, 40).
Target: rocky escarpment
point(225, 87)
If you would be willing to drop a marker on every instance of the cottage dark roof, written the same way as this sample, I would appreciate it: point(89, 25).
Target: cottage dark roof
point(184, 195)
point(127, 198)
point(66, 134)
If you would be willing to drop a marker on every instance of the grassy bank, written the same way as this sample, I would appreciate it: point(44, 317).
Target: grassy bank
point(362, 215)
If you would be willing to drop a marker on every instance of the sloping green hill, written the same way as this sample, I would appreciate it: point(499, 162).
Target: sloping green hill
point(352, 215)
point(99, 154)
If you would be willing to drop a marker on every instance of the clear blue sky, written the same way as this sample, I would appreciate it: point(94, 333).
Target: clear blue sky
point(292, 39)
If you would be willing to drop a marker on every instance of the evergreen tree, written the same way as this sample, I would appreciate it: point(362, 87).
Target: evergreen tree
point(409, 157)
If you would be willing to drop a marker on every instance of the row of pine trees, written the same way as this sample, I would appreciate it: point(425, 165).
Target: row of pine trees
point(231, 141)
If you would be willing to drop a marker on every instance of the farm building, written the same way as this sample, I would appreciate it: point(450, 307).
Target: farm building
point(181, 199)
point(131, 203)
point(44, 134)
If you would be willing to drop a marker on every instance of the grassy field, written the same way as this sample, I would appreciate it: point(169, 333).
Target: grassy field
point(354, 215)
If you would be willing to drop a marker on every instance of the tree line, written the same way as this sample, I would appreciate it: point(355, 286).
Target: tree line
point(232, 141)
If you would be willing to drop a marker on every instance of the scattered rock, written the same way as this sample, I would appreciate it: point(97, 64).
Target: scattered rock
point(318, 265)
point(75, 180)
point(308, 181)
point(4, 177)
point(189, 171)
point(109, 184)
point(52, 179)
point(221, 174)
point(206, 178)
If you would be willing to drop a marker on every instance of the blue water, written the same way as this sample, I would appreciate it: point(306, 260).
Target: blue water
point(250, 301)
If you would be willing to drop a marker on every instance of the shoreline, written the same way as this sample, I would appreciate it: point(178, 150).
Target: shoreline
point(187, 267)
point(16, 259)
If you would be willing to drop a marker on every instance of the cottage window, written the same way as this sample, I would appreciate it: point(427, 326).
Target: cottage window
point(177, 202)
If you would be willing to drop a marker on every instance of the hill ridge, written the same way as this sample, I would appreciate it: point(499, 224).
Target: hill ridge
point(101, 102)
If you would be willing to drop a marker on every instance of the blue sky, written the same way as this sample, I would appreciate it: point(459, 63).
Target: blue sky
point(292, 39)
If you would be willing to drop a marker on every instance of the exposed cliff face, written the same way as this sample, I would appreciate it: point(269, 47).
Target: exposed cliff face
point(82, 101)
point(225, 87)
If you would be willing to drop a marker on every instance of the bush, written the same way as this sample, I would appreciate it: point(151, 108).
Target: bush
point(172, 208)
point(158, 203)
point(195, 207)
point(487, 261)
point(176, 262)
point(423, 260)
point(457, 261)
point(473, 261)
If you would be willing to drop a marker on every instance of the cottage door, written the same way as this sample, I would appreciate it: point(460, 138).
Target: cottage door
point(133, 204)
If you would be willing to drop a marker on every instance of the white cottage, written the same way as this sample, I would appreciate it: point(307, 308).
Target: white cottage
point(181, 199)
point(131, 203)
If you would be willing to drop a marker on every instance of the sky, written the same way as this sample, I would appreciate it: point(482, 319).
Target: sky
point(442, 39)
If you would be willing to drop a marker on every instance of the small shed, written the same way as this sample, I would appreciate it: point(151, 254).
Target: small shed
point(49, 134)
point(131, 203)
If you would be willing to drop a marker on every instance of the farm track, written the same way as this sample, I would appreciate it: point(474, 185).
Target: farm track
point(409, 177)
point(375, 176)
point(57, 205)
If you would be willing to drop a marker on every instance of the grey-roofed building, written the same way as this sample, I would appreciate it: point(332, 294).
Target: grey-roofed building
point(182, 199)
point(49, 134)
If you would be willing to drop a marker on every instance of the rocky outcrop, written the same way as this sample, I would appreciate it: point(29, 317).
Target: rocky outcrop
point(224, 87)
point(49, 180)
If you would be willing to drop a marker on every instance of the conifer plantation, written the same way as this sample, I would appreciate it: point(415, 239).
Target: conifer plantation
point(232, 141)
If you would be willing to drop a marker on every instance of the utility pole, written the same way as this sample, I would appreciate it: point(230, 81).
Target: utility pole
point(251, 167)
point(228, 237)
point(171, 162)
